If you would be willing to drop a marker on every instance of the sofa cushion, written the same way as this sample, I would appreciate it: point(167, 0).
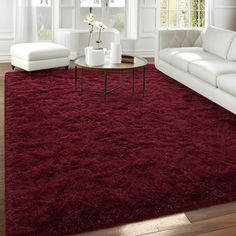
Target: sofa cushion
point(39, 51)
point(167, 53)
point(208, 70)
point(181, 60)
point(217, 41)
point(232, 51)
point(227, 83)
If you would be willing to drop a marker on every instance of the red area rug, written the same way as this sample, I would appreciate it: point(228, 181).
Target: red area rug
point(76, 163)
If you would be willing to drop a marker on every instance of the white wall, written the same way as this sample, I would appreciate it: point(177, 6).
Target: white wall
point(6, 28)
point(224, 14)
point(144, 46)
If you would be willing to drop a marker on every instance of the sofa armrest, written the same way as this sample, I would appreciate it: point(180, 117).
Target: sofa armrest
point(175, 38)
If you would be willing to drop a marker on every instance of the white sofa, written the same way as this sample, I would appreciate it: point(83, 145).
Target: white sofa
point(203, 60)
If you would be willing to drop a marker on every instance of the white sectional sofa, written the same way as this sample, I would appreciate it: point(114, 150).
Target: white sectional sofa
point(203, 60)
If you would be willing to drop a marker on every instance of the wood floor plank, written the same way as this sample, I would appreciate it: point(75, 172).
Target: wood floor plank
point(172, 221)
point(199, 227)
point(223, 232)
point(126, 230)
point(2, 221)
point(143, 227)
point(211, 212)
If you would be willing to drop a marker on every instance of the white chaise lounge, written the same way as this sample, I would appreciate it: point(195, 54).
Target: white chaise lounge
point(39, 56)
point(204, 61)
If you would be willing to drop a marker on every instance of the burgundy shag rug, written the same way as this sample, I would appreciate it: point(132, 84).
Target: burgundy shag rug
point(76, 163)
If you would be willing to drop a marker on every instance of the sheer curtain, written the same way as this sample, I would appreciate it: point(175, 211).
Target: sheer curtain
point(25, 21)
point(209, 12)
point(132, 19)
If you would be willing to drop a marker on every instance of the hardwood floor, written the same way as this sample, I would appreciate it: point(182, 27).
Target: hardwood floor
point(212, 221)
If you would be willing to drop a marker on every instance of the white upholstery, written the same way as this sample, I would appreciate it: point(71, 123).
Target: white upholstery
point(208, 70)
point(38, 51)
point(176, 38)
point(227, 83)
point(168, 53)
point(217, 41)
point(40, 65)
point(39, 56)
point(216, 95)
point(232, 50)
point(180, 38)
point(182, 59)
point(206, 73)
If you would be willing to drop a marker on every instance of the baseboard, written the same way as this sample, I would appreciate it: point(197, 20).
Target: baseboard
point(140, 53)
point(5, 57)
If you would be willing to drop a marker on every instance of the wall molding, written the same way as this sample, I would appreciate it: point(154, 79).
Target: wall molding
point(225, 7)
point(6, 35)
point(140, 53)
point(143, 33)
point(5, 57)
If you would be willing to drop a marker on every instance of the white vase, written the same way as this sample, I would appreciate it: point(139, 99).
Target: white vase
point(115, 54)
point(87, 53)
point(96, 57)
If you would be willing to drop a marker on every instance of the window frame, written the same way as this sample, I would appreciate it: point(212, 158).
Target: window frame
point(105, 14)
point(52, 24)
point(190, 23)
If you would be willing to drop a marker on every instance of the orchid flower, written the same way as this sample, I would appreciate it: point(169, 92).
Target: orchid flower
point(90, 19)
point(100, 25)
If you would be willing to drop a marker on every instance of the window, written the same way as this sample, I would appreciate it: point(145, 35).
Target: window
point(111, 12)
point(43, 18)
point(117, 16)
point(182, 13)
point(90, 3)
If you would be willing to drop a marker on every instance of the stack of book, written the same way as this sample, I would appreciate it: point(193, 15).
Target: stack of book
point(127, 59)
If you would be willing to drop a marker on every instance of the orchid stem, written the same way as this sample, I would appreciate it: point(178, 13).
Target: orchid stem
point(90, 35)
point(99, 39)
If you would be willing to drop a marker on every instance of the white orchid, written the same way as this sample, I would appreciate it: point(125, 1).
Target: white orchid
point(100, 25)
point(90, 19)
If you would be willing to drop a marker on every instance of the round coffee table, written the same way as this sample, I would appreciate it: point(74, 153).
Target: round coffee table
point(108, 67)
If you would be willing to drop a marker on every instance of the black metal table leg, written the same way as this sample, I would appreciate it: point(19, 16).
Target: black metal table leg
point(144, 79)
point(76, 77)
point(81, 81)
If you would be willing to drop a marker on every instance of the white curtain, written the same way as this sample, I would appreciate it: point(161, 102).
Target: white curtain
point(132, 19)
point(25, 21)
point(209, 12)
